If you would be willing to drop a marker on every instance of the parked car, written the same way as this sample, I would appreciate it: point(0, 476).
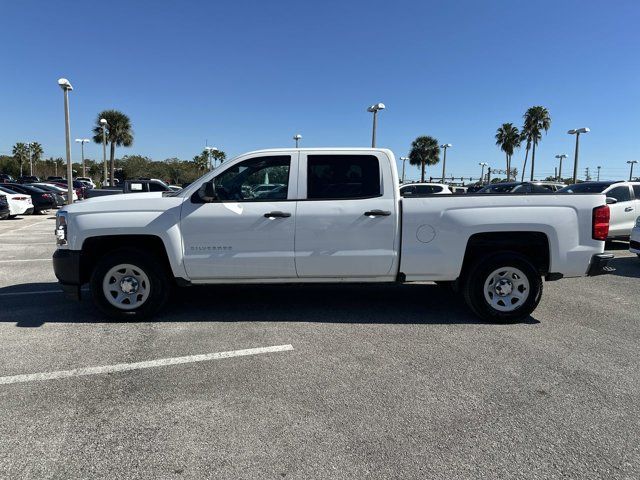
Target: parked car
point(19, 203)
point(57, 189)
point(634, 239)
point(175, 188)
point(6, 178)
point(131, 186)
point(80, 188)
point(52, 178)
point(420, 189)
point(342, 220)
point(28, 179)
point(4, 207)
point(87, 180)
point(42, 200)
point(623, 199)
point(522, 187)
point(458, 189)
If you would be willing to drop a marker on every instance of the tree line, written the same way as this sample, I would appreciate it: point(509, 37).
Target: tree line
point(117, 132)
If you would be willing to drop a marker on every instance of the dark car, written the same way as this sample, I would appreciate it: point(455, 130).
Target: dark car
point(521, 187)
point(54, 179)
point(4, 207)
point(28, 179)
point(6, 178)
point(42, 200)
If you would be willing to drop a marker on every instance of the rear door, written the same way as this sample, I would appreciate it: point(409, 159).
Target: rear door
point(623, 212)
point(347, 218)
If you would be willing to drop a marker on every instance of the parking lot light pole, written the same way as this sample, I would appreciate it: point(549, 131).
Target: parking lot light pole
point(482, 164)
point(444, 158)
point(404, 160)
point(104, 124)
point(297, 137)
point(66, 87)
point(375, 109)
point(28, 145)
point(560, 157)
point(598, 167)
point(82, 141)
point(632, 163)
point(577, 132)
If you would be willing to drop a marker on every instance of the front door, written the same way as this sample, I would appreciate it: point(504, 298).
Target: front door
point(248, 230)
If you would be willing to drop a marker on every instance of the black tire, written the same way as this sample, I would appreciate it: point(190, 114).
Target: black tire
point(478, 275)
point(159, 285)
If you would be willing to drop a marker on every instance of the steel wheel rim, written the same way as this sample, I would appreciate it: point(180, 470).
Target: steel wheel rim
point(126, 286)
point(506, 289)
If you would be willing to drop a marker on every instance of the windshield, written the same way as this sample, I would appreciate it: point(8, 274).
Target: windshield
point(587, 187)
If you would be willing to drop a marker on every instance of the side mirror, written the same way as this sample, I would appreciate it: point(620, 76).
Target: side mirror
point(207, 192)
point(611, 200)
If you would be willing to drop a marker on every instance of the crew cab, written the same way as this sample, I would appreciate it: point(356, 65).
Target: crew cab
point(337, 216)
point(131, 186)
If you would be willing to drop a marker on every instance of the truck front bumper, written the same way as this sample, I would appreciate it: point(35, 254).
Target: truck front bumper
point(66, 266)
point(600, 264)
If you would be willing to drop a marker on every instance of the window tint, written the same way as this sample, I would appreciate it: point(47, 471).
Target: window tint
point(524, 188)
point(342, 176)
point(636, 190)
point(260, 179)
point(156, 187)
point(407, 191)
point(621, 194)
point(543, 188)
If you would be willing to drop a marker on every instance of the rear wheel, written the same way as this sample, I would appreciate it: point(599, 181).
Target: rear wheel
point(503, 287)
point(128, 284)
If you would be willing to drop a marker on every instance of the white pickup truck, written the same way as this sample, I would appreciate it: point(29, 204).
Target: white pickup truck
point(328, 216)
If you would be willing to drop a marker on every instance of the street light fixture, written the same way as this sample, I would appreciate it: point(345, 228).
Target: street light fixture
point(82, 141)
point(444, 158)
point(560, 157)
point(209, 150)
point(297, 137)
point(482, 164)
point(577, 132)
point(632, 163)
point(104, 124)
point(375, 109)
point(66, 87)
point(404, 159)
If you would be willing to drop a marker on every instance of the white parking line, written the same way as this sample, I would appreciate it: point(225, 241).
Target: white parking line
point(51, 243)
point(26, 260)
point(123, 367)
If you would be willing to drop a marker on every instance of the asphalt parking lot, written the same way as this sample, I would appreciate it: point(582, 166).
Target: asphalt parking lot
point(369, 382)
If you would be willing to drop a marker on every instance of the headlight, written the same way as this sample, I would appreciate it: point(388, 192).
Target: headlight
point(61, 228)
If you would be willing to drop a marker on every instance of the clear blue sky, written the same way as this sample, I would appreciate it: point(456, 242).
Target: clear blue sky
point(248, 75)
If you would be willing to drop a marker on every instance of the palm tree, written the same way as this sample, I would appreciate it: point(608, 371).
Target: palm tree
point(119, 133)
point(219, 155)
point(36, 152)
point(202, 161)
point(536, 120)
point(20, 152)
point(508, 138)
point(425, 150)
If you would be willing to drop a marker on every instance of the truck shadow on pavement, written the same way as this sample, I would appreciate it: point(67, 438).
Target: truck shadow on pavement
point(626, 266)
point(353, 303)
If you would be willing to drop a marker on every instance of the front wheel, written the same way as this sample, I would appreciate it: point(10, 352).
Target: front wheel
point(129, 284)
point(503, 287)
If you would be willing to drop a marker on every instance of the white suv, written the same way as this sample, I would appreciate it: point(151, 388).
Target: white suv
point(623, 199)
point(420, 189)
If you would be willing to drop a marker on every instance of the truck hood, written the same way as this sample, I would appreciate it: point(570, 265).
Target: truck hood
point(126, 202)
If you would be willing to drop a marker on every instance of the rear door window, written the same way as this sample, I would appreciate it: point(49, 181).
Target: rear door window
point(621, 194)
point(636, 191)
point(339, 177)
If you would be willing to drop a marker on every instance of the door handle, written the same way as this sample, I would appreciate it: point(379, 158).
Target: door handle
point(377, 213)
point(628, 209)
point(277, 215)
